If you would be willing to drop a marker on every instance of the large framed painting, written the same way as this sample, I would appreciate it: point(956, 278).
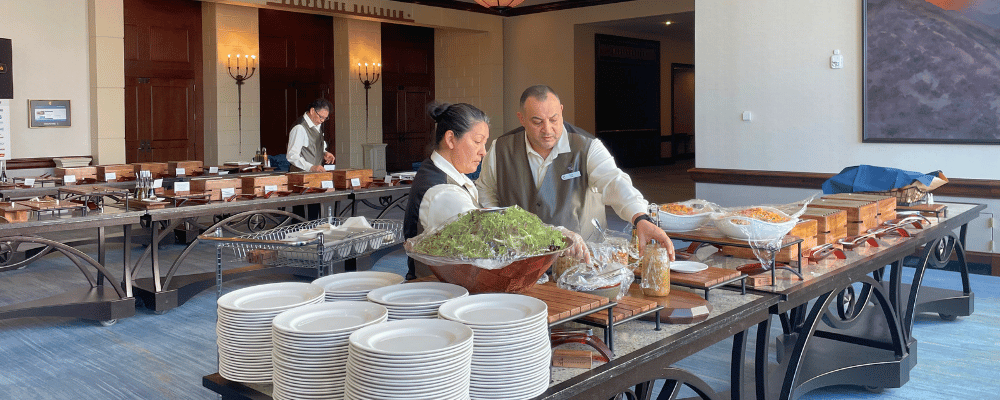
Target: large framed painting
point(932, 71)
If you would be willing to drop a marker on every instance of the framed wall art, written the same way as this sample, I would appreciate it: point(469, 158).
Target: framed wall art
point(932, 71)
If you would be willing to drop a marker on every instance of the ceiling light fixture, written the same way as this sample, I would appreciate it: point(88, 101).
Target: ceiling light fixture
point(668, 22)
point(499, 5)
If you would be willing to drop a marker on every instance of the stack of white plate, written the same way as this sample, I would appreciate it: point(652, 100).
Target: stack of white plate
point(310, 347)
point(512, 354)
point(354, 286)
point(416, 300)
point(413, 359)
point(244, 326)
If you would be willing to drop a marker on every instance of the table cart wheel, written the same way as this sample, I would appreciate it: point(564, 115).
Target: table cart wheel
point(160, 312)
point(874, 389)
point(947, 317)
point(109, 322)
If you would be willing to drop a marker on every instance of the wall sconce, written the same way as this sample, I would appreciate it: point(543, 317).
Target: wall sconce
point(242, 74)
point(368, 80)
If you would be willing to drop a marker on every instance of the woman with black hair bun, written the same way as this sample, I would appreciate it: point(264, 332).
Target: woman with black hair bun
point(440, 189)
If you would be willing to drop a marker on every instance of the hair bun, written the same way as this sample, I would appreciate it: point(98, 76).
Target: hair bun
point(436, 109)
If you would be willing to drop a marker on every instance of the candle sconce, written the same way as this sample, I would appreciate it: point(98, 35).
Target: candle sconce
point(241, 74)
point(368, 80)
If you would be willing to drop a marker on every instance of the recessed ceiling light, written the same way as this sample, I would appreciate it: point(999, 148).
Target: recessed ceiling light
point(668, 22)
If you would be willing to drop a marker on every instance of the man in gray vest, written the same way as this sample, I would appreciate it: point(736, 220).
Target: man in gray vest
point(306, 145)
point(561, 173)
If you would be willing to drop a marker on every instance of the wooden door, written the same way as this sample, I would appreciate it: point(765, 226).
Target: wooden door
point(407, 88)
point(296, 67)
point(682, 111)
point(163, 61)
point(627, 99)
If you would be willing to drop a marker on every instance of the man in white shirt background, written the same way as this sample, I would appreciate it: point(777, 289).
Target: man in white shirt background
point(306, 145)
point(561, 173)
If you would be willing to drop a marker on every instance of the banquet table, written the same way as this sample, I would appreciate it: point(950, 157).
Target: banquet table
point(848, 321)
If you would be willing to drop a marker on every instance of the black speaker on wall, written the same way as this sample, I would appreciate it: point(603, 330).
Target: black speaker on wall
point(6, 75)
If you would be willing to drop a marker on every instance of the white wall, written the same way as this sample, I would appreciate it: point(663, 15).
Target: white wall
point(538, 48)
point(50, 62)
point(771, 57)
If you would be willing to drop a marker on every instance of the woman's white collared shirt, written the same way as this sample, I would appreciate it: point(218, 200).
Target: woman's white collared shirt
point(444, 201)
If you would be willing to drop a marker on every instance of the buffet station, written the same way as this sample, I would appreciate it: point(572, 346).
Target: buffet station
point(505, 315)
point(164, 200)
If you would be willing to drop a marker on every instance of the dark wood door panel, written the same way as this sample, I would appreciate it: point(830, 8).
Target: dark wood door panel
point(170, 44)
point(407, 88)
point(163, 69)
point(627, 98)
point(169, 105)
point(296, 68)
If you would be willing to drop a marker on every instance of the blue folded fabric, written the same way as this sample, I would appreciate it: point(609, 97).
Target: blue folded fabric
point(868, 178)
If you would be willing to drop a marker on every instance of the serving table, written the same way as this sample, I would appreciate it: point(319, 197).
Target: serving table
point(849, 322)
point(97, 301)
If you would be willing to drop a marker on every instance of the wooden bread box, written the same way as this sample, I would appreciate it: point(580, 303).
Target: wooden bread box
point(831, 224)
point(120, 171)
point(214, 186)
point(190, 167)
point(309, 179)
point(805, 229)
point(257, 183)
point(861, 215)
point(342, 177)
point(80, 173)
point(156, 169)
point(886, 204)
point(13, 212)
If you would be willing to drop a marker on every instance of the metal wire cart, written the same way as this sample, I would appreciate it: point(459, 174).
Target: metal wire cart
point(308, 248)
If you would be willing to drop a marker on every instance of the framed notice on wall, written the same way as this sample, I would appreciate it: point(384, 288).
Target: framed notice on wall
point(4, 129)
point(48, 113)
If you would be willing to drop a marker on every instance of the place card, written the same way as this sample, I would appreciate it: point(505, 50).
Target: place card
point(110, 177)
point(228, 192)
point(326, 184)
point(213, 170)
point(29, 182)
point(157, 183)
point(69, 179)
point(270, 188)
point(223, 172)
point(179, 172)
point(330, 167)
point(356, 182)
point(182, 186)
point(388, 179)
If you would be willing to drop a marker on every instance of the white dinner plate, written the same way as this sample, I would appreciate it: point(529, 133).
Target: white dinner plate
point(493, 309)
point(411, 337)
point(355, 282)
point(326, 318)
point(687, 267)
point(271, 297)
point(417, 294)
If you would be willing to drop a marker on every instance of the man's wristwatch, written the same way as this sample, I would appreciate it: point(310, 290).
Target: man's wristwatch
point(643, 217)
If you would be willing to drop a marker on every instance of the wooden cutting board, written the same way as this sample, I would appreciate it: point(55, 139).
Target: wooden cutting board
point(147, 204)
point(679, 307)
point(704, 279)
point(627, 306)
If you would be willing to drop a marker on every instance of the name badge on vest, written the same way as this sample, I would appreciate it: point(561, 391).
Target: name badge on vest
point(571, 175)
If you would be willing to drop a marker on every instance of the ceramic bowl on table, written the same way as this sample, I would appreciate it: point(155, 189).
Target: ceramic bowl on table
point(747, 228)
point(690, 219)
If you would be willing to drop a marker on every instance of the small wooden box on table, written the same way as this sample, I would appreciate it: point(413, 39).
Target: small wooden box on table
point(156, 169)
point(14, 212)
point(299, 180)
point(886, 204)
point(121, 171)
point(191, 168)
point(831, 224)
point(861, 215)
point(345, 178)
point(258, 184)
point(214, 186)
point(80, 173)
